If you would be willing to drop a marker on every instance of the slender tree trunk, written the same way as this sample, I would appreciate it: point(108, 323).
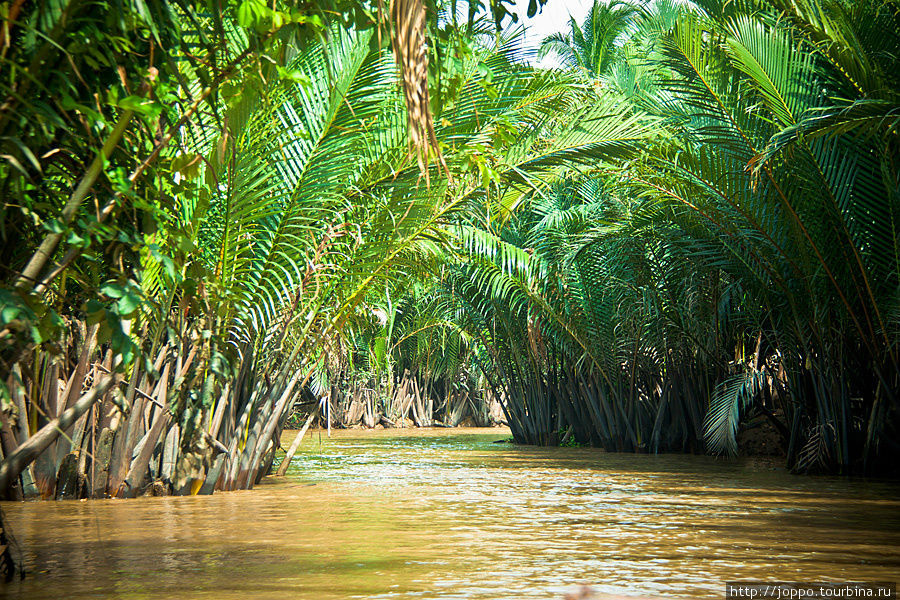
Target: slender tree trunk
point(272, 423)
point(31, 272)
point(138, 468)
point(283, 467)
point(24, 455)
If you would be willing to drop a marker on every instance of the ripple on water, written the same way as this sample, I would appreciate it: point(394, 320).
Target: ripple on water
point(449, 514)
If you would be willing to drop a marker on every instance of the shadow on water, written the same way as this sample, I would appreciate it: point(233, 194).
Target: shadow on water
point(451, 514)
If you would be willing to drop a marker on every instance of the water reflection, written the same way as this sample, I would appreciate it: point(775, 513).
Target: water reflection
point(450, 514)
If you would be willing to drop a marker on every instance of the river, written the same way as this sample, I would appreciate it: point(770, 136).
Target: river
point(450, 514)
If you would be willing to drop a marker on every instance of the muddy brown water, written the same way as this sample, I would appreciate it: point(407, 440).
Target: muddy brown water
point(448, 514)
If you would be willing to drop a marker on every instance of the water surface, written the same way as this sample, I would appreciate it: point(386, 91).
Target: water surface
point(449, 514)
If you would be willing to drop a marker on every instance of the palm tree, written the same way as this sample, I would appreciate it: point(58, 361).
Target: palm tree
point(594, 44)
point(289, 212)
point(791, 220)
point(745, 265)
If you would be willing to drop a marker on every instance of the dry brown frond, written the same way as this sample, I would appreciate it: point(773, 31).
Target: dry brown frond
point(411, 53)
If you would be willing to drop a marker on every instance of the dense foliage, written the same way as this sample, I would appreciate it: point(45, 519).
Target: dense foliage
point(213, 213)
point(744, 263)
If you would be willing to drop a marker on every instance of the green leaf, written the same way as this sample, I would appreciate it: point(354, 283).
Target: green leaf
point(54, 226)
point(128, 304)
point(113, 290)
point(188, 165)
point(142, 106)
point(293, 75)
point(245, 14)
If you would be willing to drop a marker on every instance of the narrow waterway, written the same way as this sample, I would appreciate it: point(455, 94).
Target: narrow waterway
point(421, 514)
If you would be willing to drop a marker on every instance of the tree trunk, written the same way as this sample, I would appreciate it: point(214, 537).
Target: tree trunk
point(139, 466)
point(282, 469)
point(24, 455)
